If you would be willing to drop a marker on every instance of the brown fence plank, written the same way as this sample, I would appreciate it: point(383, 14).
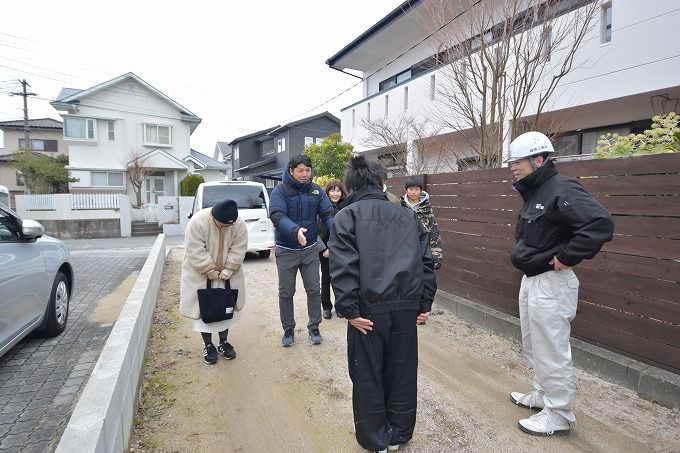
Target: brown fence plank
point(644, 246)
point(499, 244)
point(477, 228)
point(661, 227)
point(463, 289)
point(642, 205)
point(500, 202)
point(496, 174)
point(640, 266)
point(454, 250)
point(643, 306)
point(477, 215)
point(646, 287)
point(640, 165)
point(483, 188)
point(643, 327)
point(640, 348)
point(633, 185)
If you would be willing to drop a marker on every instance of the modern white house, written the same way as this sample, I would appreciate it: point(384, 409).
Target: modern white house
point(209, 168)
point(109, 126)
point(626, 71)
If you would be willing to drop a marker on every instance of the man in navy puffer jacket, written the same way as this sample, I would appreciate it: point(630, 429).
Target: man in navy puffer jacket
point(294, 209)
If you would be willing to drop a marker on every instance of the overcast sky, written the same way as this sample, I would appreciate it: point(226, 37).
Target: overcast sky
point(241, 66)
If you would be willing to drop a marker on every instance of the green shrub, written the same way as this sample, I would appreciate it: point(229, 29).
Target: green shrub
point(663, 137)
point(189, 185)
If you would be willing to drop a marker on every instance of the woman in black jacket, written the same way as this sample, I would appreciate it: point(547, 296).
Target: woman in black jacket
point(381, 272)
point(336, 193)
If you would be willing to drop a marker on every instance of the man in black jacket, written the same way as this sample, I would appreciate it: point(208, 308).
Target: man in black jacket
point(381, 272)
point(560, 225)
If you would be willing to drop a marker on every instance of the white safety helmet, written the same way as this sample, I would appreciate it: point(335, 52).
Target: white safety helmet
point(528, 144)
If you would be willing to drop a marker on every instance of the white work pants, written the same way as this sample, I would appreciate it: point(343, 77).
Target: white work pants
point(547, 304)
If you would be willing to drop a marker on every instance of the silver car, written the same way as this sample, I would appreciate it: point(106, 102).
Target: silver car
point(36, 280)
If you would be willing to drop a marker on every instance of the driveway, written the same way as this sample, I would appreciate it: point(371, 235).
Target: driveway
point(41, 379)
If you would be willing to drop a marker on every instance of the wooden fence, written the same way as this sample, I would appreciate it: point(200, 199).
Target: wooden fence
point(629, 298)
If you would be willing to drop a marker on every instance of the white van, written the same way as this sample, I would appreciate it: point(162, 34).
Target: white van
point(252, 200)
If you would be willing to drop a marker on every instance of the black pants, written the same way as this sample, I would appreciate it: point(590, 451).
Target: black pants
point(383, 366)
point(325, 284)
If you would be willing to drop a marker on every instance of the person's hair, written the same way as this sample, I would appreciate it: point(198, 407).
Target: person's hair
point(300, 159)
point(382, 171)
point(413, 181)
point(361, 174)
point(332, 184)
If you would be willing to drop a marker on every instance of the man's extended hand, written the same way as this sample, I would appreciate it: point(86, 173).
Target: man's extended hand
point(326, 253)
point(558, 265)
point(363, 325)
point(302, 239)
point(422, 317)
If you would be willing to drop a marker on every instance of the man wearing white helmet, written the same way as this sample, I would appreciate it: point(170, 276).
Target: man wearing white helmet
point(560, 225)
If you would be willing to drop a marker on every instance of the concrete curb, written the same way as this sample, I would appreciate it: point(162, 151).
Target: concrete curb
point(650, 383)
point(103, 417)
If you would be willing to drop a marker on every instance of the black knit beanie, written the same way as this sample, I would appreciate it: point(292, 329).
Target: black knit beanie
point(225, 211)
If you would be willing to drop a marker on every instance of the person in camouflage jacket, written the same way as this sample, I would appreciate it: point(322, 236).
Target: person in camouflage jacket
point(419, 200)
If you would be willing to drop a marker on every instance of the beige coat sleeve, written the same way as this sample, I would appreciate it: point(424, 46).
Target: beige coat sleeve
point(196, 245)
point(237, 249)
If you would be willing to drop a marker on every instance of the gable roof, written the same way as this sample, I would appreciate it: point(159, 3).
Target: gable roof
point(41, 123)
point(333, 118)
point(71, 96)
point(206, 162)
point(254, 134)
point(159, 158)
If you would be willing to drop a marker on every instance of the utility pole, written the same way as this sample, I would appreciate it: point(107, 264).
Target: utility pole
point(25, 94)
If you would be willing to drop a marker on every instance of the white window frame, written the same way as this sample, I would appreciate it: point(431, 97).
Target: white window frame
point(147, 142)
point(108, 178)
point(309, 141)
point(354, 117)
point(368, 111)
point(405, 98)
point(2, 139)
point(111, 125)
point(433, 82)
point(318, 140)
point(88, 122)
point(269, 183)
point(603, 21)
point(279, 148)
point(387, 104)
point(236, 152)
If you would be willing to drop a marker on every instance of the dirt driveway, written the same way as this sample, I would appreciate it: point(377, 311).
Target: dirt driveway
point(275, 399)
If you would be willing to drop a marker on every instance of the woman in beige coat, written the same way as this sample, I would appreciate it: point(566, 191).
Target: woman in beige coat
point(215, 246)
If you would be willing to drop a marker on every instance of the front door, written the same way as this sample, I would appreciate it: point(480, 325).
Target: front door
point(154, 187)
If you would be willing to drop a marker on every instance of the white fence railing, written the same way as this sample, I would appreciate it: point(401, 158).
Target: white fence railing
point(89, 201)
point(40, 202)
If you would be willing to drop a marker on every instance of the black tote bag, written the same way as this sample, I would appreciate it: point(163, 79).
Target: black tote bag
point(217, 304)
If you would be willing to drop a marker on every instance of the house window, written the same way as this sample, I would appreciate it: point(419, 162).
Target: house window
point(79, 128)
point(281, 145)
point(106, 179)
point(111, 129)
point(39, 144)
point(318, 141)
point(468, 163)
point(155, 134)
point(368, 112)
point(2, 136)
point(309, 141)
point(606, 21)
point(387, 104)
point(236, 152)
point(395, 80)
point(432, 87)
point(354, 117)
point(269, 183)
point(405, 98)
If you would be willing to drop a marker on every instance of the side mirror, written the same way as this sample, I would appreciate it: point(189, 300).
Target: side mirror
point(30, 229)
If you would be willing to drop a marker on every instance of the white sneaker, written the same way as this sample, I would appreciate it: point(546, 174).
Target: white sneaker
point(545, 423)
point(394, 447)
point(531, 400)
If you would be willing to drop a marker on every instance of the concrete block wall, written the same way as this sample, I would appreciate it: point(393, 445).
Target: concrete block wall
point(103, 418)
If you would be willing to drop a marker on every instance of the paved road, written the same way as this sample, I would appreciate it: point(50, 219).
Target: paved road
point(41, 379)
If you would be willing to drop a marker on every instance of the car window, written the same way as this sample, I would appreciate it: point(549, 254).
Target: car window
point(9, 230)
point(246, 197)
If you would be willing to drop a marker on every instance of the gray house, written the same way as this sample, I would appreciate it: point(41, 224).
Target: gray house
point(261, 156)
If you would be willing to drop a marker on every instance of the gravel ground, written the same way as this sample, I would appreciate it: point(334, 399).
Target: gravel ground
point(299, 399)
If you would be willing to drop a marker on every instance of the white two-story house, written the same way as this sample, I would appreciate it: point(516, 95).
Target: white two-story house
point(111, 125)
point(625, 72)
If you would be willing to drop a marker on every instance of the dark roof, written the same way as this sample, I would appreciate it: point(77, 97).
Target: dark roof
point(66, 92)
point(209, 162)
point(333, 118)
point(254, 134)
point(257, 164)
point(274, 174)
point(41, 123)
point(382, 23)
point(224, 148)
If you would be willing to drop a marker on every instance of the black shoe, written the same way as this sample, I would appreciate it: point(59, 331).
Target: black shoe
point(327, 314)
point(227, 350)
point(338, 314)
point(315, 336)
point(210, 354)
point(288, 338)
